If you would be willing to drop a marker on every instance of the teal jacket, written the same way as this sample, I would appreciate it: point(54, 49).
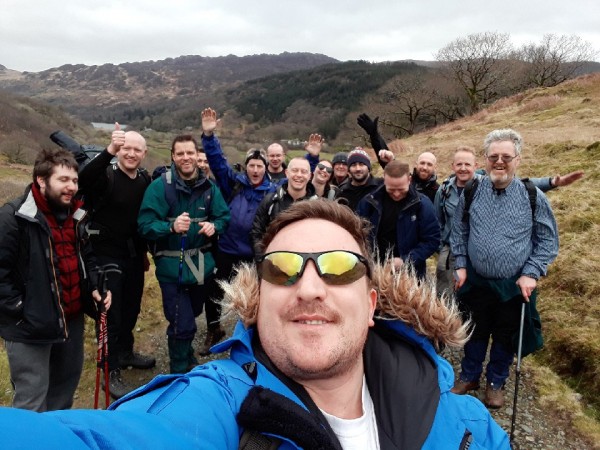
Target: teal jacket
point(162, 203)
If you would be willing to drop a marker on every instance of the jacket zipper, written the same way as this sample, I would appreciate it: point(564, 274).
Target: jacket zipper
point(56, 287)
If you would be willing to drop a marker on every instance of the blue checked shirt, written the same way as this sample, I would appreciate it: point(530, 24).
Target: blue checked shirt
point(500, 238)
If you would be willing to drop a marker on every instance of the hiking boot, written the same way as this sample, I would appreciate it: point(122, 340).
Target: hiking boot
point(213, 335)
point(461, 387)
point(118, 387)
point(494, 396)
point(136, 360)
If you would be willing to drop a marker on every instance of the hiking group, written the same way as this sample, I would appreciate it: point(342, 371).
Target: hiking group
point(340, 331)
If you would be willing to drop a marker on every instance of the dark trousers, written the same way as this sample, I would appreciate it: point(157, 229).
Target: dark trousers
point(495, 319)
point(181, 305)
point(127, 289)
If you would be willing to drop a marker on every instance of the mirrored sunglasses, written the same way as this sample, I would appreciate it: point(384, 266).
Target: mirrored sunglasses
point(335, 267)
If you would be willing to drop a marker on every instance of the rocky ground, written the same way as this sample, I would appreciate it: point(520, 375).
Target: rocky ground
point(536, 427)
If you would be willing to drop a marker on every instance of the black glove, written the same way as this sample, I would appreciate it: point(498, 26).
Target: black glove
point(365, 122)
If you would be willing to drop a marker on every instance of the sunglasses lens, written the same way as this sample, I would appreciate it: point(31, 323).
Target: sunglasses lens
point(325, 168)
point(281, 268)
point(339, 267)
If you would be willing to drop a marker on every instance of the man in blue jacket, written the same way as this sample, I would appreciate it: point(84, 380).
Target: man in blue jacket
point(404, 222)
point(330, 352)
point(243, 192)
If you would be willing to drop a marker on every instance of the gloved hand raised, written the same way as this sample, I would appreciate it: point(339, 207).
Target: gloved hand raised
point(365, 122)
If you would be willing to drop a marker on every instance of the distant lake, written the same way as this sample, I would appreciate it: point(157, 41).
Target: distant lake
point(106, 126)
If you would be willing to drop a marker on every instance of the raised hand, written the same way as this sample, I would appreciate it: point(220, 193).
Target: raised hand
point(117, 140)
point(386, 156)
point(314, 145)
point(209, 121)
point(565, 180)
point(365, 122)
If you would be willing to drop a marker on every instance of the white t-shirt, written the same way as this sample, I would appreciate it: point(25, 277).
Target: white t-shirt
point(360, 433)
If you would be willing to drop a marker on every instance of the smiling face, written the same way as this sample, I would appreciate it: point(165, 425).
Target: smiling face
point(426, 165)
point(396, 187)
point(321, 176)
point(298, 175)
point(359, 172)
point(185, 157)
point(275, 156)
point(131, 154)
point(340, 171)
point(502, 173)
point(464, 166)
point(312, 330)
point(60, 188)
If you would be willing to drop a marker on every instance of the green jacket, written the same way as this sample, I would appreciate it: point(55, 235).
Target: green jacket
point(163, 202)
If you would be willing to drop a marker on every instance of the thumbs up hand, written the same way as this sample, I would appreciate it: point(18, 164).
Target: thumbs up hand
point(117, 140)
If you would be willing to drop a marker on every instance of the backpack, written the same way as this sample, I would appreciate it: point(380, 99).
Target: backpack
point(471, 188)
point(83, 153)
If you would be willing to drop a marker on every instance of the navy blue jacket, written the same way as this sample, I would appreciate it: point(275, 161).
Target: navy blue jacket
point(417, 227)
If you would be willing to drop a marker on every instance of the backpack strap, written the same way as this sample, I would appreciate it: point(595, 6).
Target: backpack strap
point(469, 193)
point(532, 193)
point(171, 195)
point(170, 191)
point(471, 187)
point(445, 194)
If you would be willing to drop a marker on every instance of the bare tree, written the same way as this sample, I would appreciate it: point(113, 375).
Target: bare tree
point(555, 59)
point(411, 104)
point(479, 63)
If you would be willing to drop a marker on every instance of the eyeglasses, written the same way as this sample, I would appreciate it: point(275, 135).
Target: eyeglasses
point(325, 168)
point(505, 158)
point(335, 267)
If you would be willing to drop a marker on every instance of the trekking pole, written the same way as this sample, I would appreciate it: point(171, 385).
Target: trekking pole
point(102, 357)
point(517, 374)
point(181, 257)
point(101, 336)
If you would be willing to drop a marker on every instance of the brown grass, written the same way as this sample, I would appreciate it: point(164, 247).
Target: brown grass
point(561, 133)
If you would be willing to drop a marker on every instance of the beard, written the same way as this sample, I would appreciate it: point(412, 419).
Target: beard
point(498, 178)
point(55, 201)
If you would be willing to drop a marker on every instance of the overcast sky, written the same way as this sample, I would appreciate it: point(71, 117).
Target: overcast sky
point(40, 34)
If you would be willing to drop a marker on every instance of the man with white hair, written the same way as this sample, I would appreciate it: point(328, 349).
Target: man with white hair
point(503, 242)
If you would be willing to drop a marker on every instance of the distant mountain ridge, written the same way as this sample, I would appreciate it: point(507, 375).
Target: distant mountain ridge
point(84, 90)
